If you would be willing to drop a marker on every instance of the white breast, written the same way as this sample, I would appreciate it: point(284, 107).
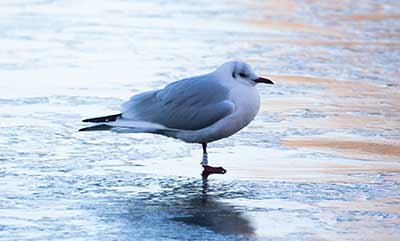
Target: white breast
point(247, 104)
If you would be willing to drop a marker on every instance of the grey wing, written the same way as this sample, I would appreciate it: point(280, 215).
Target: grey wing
point(189, 104)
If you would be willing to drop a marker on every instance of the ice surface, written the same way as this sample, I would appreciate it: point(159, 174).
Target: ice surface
point(320, 161)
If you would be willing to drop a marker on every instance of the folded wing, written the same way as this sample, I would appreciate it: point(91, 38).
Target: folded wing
point(189, 104)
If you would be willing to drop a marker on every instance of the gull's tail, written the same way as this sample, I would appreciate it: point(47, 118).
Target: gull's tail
point(104, 118)
point(116, 123)
point(100, 127)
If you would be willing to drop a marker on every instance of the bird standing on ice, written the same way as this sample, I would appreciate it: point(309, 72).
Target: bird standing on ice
point(199, 109)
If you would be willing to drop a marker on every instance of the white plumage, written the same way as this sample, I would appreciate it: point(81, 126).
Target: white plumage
point(200, 109)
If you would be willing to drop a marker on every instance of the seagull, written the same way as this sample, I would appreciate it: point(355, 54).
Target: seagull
point(199, 109)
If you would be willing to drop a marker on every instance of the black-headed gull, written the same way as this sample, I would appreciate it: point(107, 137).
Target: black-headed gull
point(199, 109)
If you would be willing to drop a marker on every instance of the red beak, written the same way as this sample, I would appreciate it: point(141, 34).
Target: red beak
point(263, 80)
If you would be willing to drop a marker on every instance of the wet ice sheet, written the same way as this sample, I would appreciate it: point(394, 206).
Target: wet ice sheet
point(124, 205)
point(320, 162)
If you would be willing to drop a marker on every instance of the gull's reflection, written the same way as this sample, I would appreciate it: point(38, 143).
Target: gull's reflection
point(201, 208)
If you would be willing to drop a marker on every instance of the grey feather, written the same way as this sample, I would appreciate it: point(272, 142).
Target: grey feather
point(188, 104)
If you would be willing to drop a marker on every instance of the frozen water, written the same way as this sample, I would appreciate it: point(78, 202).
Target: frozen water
point(320, 161)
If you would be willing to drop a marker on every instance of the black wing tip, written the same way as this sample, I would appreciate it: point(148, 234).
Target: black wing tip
point(100, 127)
point(103, 118)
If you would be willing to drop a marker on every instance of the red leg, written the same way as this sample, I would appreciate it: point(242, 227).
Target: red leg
point(208, 170)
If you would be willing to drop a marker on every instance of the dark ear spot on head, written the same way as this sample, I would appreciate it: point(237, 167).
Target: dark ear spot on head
point(233, 74)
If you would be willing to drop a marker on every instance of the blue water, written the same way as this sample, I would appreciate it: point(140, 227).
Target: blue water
point(62, 61)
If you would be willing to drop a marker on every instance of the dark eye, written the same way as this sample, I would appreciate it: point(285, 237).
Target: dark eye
point(243, 75)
